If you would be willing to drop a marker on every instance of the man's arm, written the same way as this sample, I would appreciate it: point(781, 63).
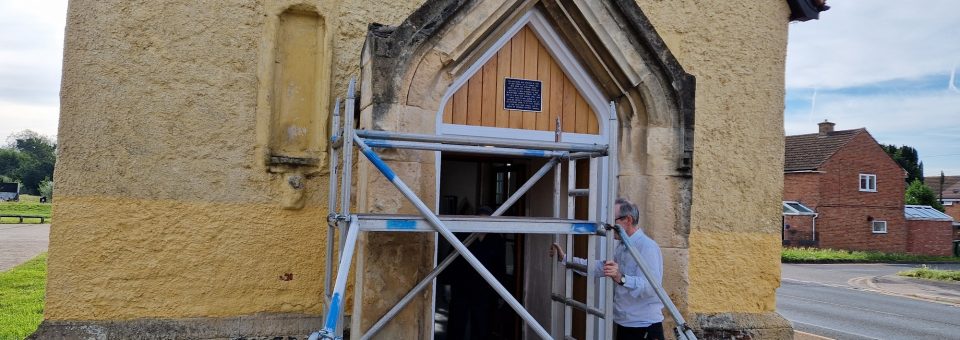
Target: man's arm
point(637, 285)
point(597, 270)
point(555, 250)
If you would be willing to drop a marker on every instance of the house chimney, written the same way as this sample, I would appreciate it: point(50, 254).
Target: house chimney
point(826, 127)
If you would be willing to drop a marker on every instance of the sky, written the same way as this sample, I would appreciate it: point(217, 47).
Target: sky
point(885, 66)
point(31, 54)
point(888, 66)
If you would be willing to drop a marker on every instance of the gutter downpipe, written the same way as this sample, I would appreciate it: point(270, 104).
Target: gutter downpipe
point(814, 227)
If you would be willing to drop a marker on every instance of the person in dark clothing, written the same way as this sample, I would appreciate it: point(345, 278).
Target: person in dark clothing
point(473, 302)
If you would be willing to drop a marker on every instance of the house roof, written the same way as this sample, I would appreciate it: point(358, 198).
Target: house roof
point(810, 151)
point(951, 185)
point(924, 213)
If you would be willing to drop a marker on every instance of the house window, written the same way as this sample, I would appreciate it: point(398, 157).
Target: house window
point(868, 182)
point(879, 227)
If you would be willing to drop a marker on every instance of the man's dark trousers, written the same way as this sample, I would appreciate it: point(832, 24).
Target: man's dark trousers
point(654, 331)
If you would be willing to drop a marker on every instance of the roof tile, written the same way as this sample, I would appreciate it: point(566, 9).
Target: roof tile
point(951, 185)
point(810, 151)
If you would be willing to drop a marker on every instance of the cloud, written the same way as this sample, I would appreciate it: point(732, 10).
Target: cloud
point(887, 66)
point(31, 50)
point(862, 42)
point(17, 117)
point(926, 120)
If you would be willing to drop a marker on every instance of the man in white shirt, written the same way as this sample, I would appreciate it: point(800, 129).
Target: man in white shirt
point(636, 307)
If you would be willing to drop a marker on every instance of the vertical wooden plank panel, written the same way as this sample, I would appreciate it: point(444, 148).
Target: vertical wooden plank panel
point(516, 71)
point(488, 111)
point(474, 96)
point(503, 71)
point(556, 93)
point(448, 112)
point(543, 73)
point(480, 101)
point(593, 126)
point(460, 106)
point(531, 56)
point(582, 114)
point(569, 113)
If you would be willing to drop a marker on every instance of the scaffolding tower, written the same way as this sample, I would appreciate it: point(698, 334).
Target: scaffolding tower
point(599, 227)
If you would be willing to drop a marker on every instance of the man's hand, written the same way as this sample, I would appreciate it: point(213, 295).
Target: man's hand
point(555, 250)
point(612, 270)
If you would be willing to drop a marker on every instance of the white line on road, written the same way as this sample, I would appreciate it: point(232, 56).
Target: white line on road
point(836, 330)
point(843, 305)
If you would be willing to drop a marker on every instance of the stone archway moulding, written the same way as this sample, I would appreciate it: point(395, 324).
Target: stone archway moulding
point(419, 62)
point(610, 52)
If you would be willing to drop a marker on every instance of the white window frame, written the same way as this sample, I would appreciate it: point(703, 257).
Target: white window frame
point(871, 179)
point(873, 227)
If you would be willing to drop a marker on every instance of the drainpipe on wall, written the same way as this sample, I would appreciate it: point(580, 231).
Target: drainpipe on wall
point(814, 227)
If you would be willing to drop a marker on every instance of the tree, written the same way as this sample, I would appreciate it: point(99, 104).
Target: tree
point(10, 160)
point(29, 158)
point(920, 194)
point(46, 189)
point(908, 159)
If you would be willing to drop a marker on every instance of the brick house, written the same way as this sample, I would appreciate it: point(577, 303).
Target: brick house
point(852, 185)
point(951, 202)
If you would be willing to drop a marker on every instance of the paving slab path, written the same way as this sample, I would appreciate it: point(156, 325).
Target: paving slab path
point(21, 242)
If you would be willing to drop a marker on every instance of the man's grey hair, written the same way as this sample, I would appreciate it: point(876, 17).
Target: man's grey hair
point(627, 208)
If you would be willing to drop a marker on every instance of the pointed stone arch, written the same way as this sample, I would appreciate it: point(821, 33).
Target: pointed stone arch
point(410, 70)
point(418, 61)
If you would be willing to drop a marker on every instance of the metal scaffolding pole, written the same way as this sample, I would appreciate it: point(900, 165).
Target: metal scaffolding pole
point(347, 184)
point(500, 151)
point(452, 239)
point(331, 325)
point(483, 141)
point(453, 256)
point(556, 312)
point(341, 148)
point(613, 188)
point(332, 197)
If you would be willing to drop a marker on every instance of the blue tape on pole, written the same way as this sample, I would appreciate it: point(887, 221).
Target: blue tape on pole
point(584, 228)
point(534, 153)
point(334, 312)
point(379, 164)
point(375, 143)
point(402, 224)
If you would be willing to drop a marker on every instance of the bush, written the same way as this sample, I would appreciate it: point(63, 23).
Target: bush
point(920, 194)
point(818, 255)
point(932, 274)
point(46, 189)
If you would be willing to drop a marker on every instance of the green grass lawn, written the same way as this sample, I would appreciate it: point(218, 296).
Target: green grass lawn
point(932, 274)
point(816, 255)
point(29, 199)
point(28, 205)
point(21, 298)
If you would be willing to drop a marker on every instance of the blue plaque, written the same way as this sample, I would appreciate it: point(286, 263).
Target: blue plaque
point(522, 94)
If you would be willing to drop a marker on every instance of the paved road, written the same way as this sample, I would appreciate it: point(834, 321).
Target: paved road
point(21, 242)
point(818, 299)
